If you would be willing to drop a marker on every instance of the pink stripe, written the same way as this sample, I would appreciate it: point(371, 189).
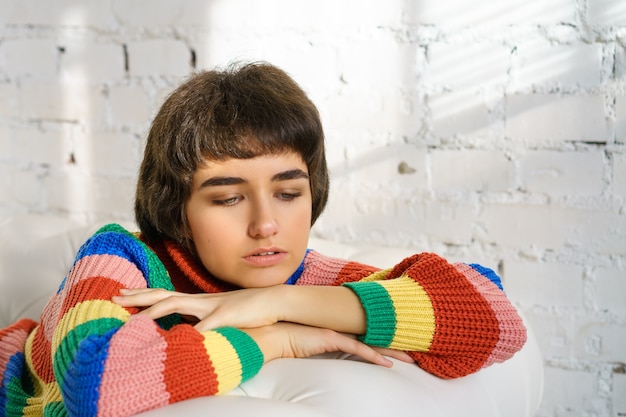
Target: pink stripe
point(133, 378)
point(503, 311)
point(325, 272)
point(112, 267)
point(10, 344)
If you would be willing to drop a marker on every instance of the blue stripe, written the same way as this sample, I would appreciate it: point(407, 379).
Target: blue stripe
point(114, 240)
point(83, 377)
point(116, 244)
point(14, 375)
point(488, 273)
point(296, 275)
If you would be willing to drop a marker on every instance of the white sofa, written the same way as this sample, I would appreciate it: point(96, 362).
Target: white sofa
point(36, 252)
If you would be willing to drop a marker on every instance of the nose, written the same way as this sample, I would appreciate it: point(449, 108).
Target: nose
point(263, 222)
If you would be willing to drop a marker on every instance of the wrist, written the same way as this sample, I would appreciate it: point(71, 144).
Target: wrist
point(267, 340)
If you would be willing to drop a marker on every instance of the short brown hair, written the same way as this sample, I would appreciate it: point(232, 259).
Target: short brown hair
point(241, 112)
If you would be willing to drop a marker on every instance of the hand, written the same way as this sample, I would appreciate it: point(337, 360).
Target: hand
point(253, 307)
point(290, 340)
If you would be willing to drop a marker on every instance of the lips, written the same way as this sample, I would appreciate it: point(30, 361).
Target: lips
point(265, 257)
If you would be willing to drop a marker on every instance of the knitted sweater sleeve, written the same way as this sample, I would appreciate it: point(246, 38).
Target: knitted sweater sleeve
point(90, 356)
point(453, 319)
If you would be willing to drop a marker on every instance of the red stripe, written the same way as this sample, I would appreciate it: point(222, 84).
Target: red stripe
point(466, 328)
point(94, 288)
point(186, 362)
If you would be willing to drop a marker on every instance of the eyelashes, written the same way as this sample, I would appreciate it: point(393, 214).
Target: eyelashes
point(231, 201)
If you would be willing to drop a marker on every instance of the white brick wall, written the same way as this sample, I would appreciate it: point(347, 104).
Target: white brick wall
point(486, 131)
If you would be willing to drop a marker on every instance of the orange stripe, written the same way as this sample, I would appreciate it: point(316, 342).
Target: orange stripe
point(465, 325)
point(187, 360)
point(95, 288)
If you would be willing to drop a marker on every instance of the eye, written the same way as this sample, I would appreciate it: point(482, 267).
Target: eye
point(231, 201)
point(288, 196)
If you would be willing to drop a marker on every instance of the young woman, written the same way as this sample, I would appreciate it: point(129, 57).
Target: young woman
point(219, 280)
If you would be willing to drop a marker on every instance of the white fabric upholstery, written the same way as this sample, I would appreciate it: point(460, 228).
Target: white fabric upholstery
point(37, 251)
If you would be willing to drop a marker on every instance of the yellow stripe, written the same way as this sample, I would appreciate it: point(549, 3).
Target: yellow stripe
point(376, 276)
point(84, 312)
point(415, 316)
point(225, 360)
point(43, 393)
point(51, 393)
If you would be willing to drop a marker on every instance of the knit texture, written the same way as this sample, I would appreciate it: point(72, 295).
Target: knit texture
point(89, 356)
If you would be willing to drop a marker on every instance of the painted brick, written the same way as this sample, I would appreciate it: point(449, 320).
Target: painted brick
point(606, 13)
point(620, 62)
point(525, 226)
point(599, 341)
point(303, 15)
point(619, 174)
point(381, 166)
point(390, 219)
point(159, 57)
point(6, 183)
point(459, 112)
point(467, 65)
point(19, 186)
point(620, 116)
point(548, 118)
point(541, 62)
point(578, 393)
point(77, 13)
point(94, 63)
point(562, 173)
point(6, 144)
point(401, 60)
point(474, 170)
point(103, 152)
point(553, 332)
point(9, 105)
point(610, 287)
point(544, 284)
point(29, 58)
point(91, 195)
point(50, 146)
point(26, 187)
point(619, 398)
point(355, 116)
point(63, 102)
point(132, 13)
point(485, 13)
point(129, 105)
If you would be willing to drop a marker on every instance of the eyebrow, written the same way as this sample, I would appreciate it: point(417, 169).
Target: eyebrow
point(292, 174)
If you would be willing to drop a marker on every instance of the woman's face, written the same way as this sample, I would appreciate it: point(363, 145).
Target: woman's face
point(250, 218)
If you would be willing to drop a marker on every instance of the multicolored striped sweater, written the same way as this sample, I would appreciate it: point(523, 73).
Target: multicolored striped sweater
point(90, 356)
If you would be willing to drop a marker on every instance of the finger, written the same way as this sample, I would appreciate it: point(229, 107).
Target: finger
point(141, 297)
point(170, 305)
point(396, 354)
point(131, 291)
point(364, 351)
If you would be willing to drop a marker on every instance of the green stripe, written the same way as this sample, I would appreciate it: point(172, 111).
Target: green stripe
point(55, 409)
point(379, 310)
point(250, 355)
point(64, 355)
point(16, 397)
